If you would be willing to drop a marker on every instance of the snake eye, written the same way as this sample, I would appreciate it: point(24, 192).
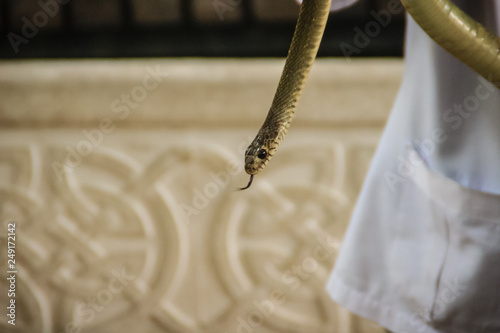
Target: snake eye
point(262, 154)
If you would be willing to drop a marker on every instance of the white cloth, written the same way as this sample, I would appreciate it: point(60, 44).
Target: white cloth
point(341, 4)
point(422, 251)
point(338, 4)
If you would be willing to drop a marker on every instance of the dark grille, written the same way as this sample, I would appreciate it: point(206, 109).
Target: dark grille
point(171, 28)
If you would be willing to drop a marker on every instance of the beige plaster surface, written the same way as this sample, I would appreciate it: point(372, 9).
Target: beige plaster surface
point(120, 176)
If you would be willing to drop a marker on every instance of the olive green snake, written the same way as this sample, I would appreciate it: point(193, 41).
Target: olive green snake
point(450, 27)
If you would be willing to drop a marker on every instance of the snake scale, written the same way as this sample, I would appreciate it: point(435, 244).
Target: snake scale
point(450, 27)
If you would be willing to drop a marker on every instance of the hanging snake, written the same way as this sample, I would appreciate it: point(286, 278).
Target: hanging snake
point(450, 27)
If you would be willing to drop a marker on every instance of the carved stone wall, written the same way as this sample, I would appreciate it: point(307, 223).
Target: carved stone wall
point(120, 176)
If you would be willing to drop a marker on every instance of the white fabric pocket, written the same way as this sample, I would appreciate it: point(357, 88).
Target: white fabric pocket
point(446, 257)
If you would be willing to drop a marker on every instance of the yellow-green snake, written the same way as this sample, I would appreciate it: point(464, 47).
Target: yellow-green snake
point(450, 27)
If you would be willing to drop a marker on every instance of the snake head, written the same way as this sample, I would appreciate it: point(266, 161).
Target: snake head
point(259, 153)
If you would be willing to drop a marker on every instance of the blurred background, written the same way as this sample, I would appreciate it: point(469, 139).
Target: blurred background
point(183, 28)
point(123, 125)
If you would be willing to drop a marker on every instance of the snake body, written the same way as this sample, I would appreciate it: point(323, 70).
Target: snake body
point(459, 34)
point(454, 30)
point(305, 43)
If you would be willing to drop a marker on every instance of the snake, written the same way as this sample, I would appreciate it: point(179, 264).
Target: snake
point(443, 21)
